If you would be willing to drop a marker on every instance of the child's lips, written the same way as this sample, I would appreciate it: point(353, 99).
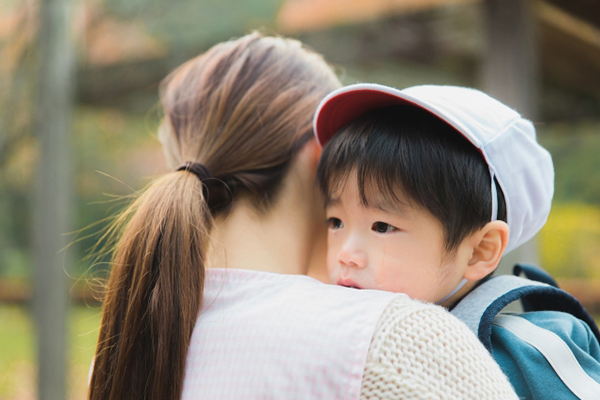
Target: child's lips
point(347, 282)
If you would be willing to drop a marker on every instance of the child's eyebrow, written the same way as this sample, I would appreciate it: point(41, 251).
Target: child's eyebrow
point(397, 208)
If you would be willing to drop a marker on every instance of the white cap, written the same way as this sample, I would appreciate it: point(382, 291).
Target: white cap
point(507, 142)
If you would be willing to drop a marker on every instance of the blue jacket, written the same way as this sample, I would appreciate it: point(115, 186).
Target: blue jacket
point(528, 369)
point(549, 352)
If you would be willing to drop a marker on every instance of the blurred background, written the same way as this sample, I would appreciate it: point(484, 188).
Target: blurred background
point(79, 112)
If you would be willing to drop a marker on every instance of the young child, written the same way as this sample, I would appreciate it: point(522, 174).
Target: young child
point(426, 188)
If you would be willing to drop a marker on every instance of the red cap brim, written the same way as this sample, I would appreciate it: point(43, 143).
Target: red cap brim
point(337, 111)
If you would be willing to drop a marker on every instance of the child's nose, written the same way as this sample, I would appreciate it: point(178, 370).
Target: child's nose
point(352, 254)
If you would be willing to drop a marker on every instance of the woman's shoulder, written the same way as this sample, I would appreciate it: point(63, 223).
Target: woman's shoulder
point(290, 334)
point(315, 294)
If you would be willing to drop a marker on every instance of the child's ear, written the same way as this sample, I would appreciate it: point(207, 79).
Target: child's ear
point(488, 245)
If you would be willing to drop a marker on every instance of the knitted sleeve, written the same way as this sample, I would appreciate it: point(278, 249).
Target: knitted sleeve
point(420, 351)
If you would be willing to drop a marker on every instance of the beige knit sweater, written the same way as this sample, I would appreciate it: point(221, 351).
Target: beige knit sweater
point(412, 358)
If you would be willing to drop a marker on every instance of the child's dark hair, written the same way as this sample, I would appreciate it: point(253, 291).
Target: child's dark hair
point(403, 154)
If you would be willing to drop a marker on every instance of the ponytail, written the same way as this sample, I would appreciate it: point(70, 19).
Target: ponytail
point(155, 292)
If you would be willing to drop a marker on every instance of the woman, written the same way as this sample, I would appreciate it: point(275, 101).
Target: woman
point(207, 297)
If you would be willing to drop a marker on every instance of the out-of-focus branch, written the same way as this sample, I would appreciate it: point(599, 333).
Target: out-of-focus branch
point(16, 81)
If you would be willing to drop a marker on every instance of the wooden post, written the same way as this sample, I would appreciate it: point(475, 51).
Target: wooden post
point(510, 74)
point(52, 195)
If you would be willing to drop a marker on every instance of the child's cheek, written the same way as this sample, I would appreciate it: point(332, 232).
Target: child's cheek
point(332, 265)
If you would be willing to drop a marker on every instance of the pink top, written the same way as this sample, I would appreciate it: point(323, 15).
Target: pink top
point(263, 335)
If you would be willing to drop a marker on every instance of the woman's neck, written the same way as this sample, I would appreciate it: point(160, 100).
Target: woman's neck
point(289, 238)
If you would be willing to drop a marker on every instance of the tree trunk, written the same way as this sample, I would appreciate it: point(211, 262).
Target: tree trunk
point(52, 195)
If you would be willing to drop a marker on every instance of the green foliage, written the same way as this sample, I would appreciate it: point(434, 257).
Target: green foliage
point(186, 24)
point(16, 349)
point(17, 358)
point(84, 325)
point(570, 241)
point(117, 154)
point(114, 154)
point(575, 149)
point(15, 183)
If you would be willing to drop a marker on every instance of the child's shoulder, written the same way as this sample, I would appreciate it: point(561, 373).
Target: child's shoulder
point(538, 292)
point(552, 354)
point(547, 326)
point(552, 350)
point(561, 323)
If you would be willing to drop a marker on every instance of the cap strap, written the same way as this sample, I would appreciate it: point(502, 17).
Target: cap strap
point(494, 196)
point(456, 289)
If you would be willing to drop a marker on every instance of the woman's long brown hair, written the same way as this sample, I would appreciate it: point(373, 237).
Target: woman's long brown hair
point(243, 109)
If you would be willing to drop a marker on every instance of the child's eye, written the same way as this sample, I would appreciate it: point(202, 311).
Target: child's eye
point(382, 227)
point(335, 223)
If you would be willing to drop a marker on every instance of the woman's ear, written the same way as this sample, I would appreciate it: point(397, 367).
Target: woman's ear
point(488, 246)
point(310, 154)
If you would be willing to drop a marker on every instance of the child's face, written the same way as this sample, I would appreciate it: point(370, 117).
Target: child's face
point(400, 250)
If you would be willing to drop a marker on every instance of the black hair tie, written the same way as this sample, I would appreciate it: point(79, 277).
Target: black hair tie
point(217, 192)
point(197, 169)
